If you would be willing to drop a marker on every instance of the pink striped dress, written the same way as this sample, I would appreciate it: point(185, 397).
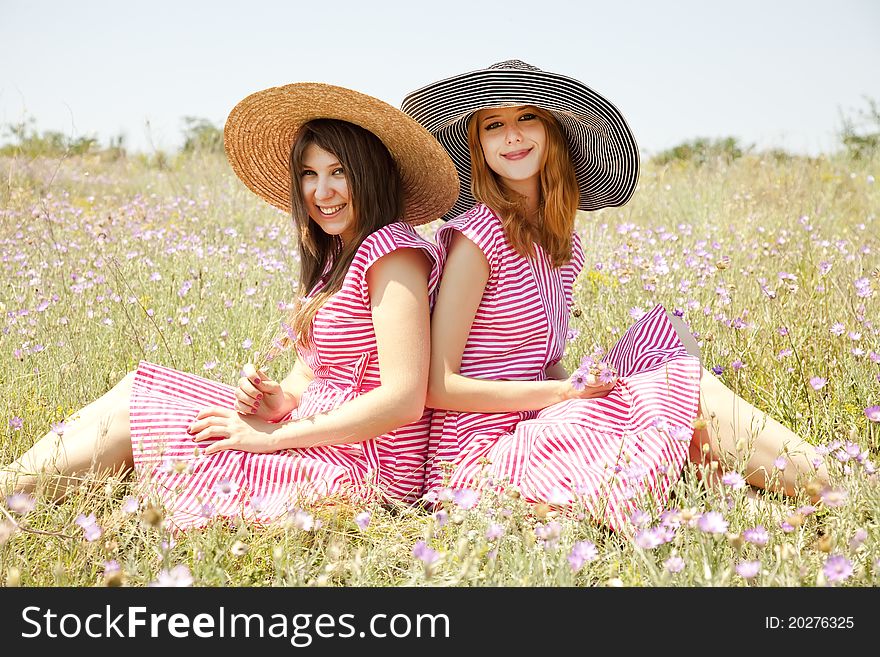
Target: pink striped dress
point(194, 488)
point(609, 454)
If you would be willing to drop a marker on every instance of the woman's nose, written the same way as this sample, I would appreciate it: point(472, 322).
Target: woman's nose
point(323, 189)
point(513, 134)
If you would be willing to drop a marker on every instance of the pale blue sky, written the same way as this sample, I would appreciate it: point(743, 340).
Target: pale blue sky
point(770, 72)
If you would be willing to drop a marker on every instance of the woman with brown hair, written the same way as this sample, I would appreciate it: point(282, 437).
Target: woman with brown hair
point(349, 419)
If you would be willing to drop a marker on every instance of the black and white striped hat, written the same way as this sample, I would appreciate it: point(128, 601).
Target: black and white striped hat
point(603, 149)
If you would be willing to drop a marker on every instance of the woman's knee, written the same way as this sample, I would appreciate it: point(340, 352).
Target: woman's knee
point(124, 387)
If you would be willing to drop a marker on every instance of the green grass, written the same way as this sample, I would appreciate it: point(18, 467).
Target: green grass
point(81, 242)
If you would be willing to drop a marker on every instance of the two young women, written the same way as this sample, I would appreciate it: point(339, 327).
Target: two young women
point(530, 148)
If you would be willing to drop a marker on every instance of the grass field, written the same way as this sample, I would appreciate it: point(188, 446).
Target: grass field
point(773, 261)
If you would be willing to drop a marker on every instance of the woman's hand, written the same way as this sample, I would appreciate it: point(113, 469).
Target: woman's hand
point(231, 430)
point(259, 396)
point(586, 385)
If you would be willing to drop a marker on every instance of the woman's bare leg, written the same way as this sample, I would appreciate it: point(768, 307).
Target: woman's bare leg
point(95, 439)
point(739, 434)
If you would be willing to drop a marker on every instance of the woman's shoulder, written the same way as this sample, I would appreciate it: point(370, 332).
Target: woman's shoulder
point(479, 223)
point(390, 237)
point(398, 232)
point(480, 215)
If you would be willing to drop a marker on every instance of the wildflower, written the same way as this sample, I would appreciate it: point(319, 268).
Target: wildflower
point(795, 519)
point(572, 334)
point(225, 487)
point(151, 516)
point(91, 530)
point(757, 536)
point(465, 498)
point(863, 287)
point(362, 520)
point(558, 496)
point(639, 518)
point(748, 569)
point(579, 379)
point(21, 503)
point(441, 517)
point(818, 382)
point(674, 564)
point(733, 479)
point(179, 576)
point(873, 413)
point(806, 510)
point(648, 539)
point(606, 374)
point(858, 538)
point(712, 522)
point(7, 529)
point(423, 553)
point(737, 365)
point(838, 329)
point(239, 549)
point(582, 552)
point(259, 502)
point(303, 520)
point(289, 331)
point(718, 370)
point(247, 343)
point(735, 540)
point(681, 434)
point(445, 494)
point(549, 533)
point(207, 510)
point(837, 568)
point(16, 424)
point(494, 532)
point(834, 497)
point(57, 428)
point(671, 519)
point(636, 313)
point(780, 462)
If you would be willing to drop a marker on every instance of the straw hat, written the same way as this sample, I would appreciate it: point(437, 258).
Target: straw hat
point(602, 147)
point(260, 130)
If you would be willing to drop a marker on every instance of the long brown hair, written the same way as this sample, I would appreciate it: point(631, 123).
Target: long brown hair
point(376, 200)
point(559, 195)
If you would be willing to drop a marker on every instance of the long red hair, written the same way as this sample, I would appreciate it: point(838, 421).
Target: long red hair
point(559, 195)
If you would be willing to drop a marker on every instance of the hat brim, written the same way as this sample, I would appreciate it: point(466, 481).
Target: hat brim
point(261, 129)
point(602, 146)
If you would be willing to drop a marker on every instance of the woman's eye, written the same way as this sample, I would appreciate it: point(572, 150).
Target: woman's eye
point(528, 117)
point(493, 125)
point(338, 172)
point(307, 172)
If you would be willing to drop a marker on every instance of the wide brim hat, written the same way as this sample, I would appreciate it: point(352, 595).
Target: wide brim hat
point(261, 129)
point(602, 146)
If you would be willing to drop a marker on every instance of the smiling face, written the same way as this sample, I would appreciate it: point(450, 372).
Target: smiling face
point(514, 141)
point(325, 192)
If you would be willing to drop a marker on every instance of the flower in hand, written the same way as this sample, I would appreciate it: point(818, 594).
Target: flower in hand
point(259, 396)
point(592, 379)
